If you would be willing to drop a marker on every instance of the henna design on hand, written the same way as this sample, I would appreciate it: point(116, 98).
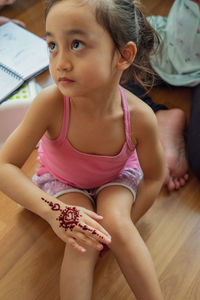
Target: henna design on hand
point(69, 217)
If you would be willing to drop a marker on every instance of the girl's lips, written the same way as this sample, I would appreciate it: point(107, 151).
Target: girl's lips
point(65, 79)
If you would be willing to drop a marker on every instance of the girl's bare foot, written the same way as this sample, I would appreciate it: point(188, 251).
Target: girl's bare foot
point(171, 125)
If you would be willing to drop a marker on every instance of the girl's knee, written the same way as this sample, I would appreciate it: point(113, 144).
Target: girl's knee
point(117, 225)
point(88, 257)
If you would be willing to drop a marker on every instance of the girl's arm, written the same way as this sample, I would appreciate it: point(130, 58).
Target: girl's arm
point(16, 151)
point(151, 158)
point(20, 188)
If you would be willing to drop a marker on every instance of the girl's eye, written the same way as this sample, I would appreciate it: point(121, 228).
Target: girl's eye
point(77, 45)
point(52, 47)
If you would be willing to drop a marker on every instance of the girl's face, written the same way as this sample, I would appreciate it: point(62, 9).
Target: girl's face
point(82, 54)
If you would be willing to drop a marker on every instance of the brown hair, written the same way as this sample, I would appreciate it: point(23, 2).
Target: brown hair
point(125, 21)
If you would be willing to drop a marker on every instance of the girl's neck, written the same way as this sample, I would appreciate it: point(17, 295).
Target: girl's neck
point(100, 103)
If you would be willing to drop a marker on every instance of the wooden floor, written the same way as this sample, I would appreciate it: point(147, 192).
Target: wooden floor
point(31, 254)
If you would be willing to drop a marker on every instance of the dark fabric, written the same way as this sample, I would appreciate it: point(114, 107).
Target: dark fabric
point(140, 93)
point(193, 139)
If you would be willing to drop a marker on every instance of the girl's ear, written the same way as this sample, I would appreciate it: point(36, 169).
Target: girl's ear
point(127, 55)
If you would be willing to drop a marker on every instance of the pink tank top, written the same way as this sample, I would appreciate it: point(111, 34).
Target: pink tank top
point(59, 158)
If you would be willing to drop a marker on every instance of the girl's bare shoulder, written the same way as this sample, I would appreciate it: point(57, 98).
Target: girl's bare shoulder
point(43, 113)
point(37, 121)
point(142, 116)
point(50, 96)
point(136, 105)
point(49, 104)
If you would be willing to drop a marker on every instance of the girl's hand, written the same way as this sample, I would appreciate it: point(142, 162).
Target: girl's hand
point(74, 224)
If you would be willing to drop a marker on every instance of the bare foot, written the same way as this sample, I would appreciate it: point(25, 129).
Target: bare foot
point(171, 125)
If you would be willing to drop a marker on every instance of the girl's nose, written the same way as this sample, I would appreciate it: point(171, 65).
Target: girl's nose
point(64, 62)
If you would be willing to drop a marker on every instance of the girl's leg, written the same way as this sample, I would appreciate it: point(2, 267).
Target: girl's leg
point(114, 204)
point(76, 277)
point(193, 145)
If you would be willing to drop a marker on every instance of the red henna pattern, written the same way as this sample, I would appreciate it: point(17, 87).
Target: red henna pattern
point(69, 217)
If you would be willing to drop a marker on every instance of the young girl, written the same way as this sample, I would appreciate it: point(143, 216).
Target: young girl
point(90, 127)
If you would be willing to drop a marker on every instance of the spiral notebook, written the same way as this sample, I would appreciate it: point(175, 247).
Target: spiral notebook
point(23, 55)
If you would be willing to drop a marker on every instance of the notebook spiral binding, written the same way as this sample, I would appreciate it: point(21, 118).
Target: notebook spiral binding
point(10, 72)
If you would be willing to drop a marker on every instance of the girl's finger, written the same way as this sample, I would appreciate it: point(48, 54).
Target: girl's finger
point(95, 233)
point(73, 243)
point(89, 241)
point(96, 225)
point(93, 215)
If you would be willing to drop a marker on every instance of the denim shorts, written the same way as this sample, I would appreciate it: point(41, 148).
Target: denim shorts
point(129, 178)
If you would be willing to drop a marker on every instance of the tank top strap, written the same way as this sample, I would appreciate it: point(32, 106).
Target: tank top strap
point(127, 122)
point(65, 122)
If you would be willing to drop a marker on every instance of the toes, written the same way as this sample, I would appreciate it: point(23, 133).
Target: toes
point(186, 176)
point(171, 185)
point(177, 183)
point(182, 181)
